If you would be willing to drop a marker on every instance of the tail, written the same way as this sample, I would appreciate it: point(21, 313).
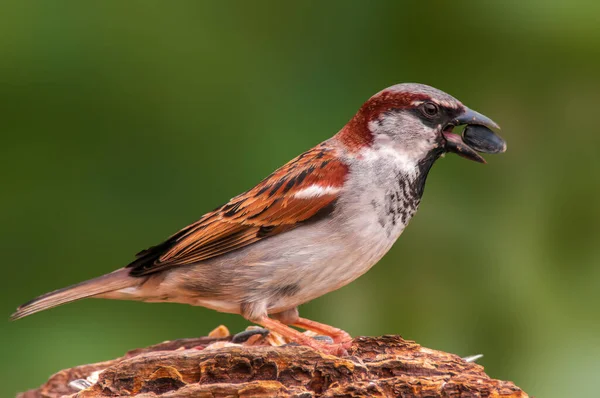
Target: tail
point(116, 280)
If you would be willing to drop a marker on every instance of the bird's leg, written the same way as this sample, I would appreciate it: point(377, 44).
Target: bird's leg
point(300, 338)
point(256, 312)
point(339, 336)
point(291, 317)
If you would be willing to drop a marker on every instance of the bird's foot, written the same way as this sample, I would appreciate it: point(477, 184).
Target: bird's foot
point(324, 346)
point(339, 336)
point(338, 348)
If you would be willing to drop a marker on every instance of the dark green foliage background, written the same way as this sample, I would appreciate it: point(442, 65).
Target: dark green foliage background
point(122, 121)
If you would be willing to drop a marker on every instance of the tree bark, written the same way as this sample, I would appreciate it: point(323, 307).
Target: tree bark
point(385, 366)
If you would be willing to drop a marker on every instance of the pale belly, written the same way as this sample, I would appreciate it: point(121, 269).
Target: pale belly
point(312, 265)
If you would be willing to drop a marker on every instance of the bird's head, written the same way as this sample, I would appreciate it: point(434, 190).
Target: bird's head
point(414, 119)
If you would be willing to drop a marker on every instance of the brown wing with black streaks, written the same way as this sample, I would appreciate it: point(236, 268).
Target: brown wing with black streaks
point(290, 196)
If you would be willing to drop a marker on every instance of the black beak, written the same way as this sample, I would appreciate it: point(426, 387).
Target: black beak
point(454, 143)
point(469, 116)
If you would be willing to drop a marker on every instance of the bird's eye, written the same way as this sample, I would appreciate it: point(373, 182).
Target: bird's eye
point(430, 109)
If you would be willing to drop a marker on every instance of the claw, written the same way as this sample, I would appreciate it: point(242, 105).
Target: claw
point(337, 350)
point(324, 339)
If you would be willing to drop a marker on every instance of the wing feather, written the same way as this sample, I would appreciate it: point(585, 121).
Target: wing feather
point(291, 195)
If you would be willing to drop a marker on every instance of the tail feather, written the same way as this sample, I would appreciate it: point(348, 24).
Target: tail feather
point(116, 280)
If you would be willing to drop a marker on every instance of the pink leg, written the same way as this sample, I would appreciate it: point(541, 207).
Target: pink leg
point(300, 338)
point(339, 336)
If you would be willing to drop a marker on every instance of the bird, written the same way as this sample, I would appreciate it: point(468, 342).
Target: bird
point(314, 225)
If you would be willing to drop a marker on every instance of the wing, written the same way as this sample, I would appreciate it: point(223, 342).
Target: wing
point(293, 194)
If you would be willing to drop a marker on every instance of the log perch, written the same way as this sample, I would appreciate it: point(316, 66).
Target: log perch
point(386, 366)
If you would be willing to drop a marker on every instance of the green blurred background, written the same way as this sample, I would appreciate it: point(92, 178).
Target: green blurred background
point(121, 122)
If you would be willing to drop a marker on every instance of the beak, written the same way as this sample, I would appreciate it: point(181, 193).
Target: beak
point(469, 116)
point(455, 144)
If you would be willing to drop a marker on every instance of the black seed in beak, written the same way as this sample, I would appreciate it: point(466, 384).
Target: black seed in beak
point(483, 139)
point(456, 145)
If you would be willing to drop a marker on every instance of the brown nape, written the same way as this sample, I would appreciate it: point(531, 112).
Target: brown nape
point(356, 134)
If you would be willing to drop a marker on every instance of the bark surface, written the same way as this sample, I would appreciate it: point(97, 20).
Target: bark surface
point(385, 366)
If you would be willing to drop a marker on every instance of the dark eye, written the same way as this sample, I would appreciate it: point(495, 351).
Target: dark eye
point(430, 109)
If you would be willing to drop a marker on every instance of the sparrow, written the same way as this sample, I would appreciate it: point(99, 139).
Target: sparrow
point(311, 227)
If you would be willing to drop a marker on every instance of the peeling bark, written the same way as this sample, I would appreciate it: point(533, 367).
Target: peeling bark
point(386, 366)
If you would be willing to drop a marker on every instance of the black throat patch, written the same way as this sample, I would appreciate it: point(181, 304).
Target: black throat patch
point(402, 201)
